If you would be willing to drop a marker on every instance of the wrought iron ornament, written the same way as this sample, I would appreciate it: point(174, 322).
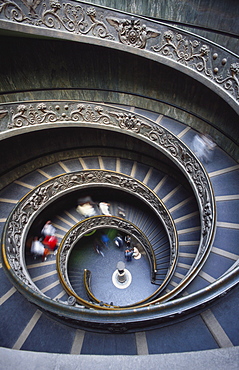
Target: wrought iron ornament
point(132, 32)
point(88, 113)
point(206, 58)
point(37, 199)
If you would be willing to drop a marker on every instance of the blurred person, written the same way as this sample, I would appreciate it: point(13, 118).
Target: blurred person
point(210, 146)
point(128, 240)
point(50, 241)
point(121, 212)
point(118, 241)
point(38, 249)
point(86, 210)
point(203, 147)
point(97, 248)
point(104, 207)
point(105, 240)
point(128, 254)
point(48, 229)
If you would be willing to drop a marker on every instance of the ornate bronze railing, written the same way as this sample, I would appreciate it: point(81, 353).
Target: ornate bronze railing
point(206, 61)
point(122, 121)
point(22, 217)
point(120, 321)
point(108, 117)
point(13, 257)
point(87, 285)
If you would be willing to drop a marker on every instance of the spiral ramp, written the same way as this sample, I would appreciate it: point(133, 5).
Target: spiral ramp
point(26, 327)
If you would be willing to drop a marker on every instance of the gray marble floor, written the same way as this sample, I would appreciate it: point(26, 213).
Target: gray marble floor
point(103, 267)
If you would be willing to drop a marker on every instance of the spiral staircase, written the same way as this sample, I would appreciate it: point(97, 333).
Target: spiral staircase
point(181, 212)
point(27, 320)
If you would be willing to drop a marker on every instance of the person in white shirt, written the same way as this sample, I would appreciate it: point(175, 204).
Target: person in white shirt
point(104, 207)
point(48, 229)
point(38, 249)
point(86, 210)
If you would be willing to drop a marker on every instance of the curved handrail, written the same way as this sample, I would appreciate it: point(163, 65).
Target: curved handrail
point(43, 195)
point(98, 222)
point(21, 218)
point(206, 61)
point(87, 279)
point(162, 139)
point(117, 321)
point(155, 311)
point(108, 117)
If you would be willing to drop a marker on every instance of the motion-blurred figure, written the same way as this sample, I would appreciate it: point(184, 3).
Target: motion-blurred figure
point(203, 147)
point(85, 207)
point(104, 208)
point(38, 249)
point(121, 212)
point(118, 242)
point(48, 229)
point(128, 254)
point(97, 248)
point(136, 254)
point(127, 240)
point(210, 146)
point(105, 240)
point(50, 241)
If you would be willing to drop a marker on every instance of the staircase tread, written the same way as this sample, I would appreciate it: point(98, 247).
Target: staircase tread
point(60, 337)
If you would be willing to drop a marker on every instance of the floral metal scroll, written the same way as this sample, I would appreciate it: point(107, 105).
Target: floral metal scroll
point(206, 58)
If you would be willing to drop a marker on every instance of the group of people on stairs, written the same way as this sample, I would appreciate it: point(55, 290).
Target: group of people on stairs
point(46, 244)
point(124, 243)
point(130, 251)
point(87, 208)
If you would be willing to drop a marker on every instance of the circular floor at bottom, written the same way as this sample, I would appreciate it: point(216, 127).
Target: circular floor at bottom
point(103, 267)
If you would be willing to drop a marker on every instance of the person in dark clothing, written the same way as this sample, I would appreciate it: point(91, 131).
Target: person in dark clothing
point(118, 241)
point(128, 254)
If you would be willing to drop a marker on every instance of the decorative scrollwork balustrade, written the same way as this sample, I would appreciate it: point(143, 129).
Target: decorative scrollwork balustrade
point(22, 217)
point(190, 53)
point(107, 117)
point(13, 241)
